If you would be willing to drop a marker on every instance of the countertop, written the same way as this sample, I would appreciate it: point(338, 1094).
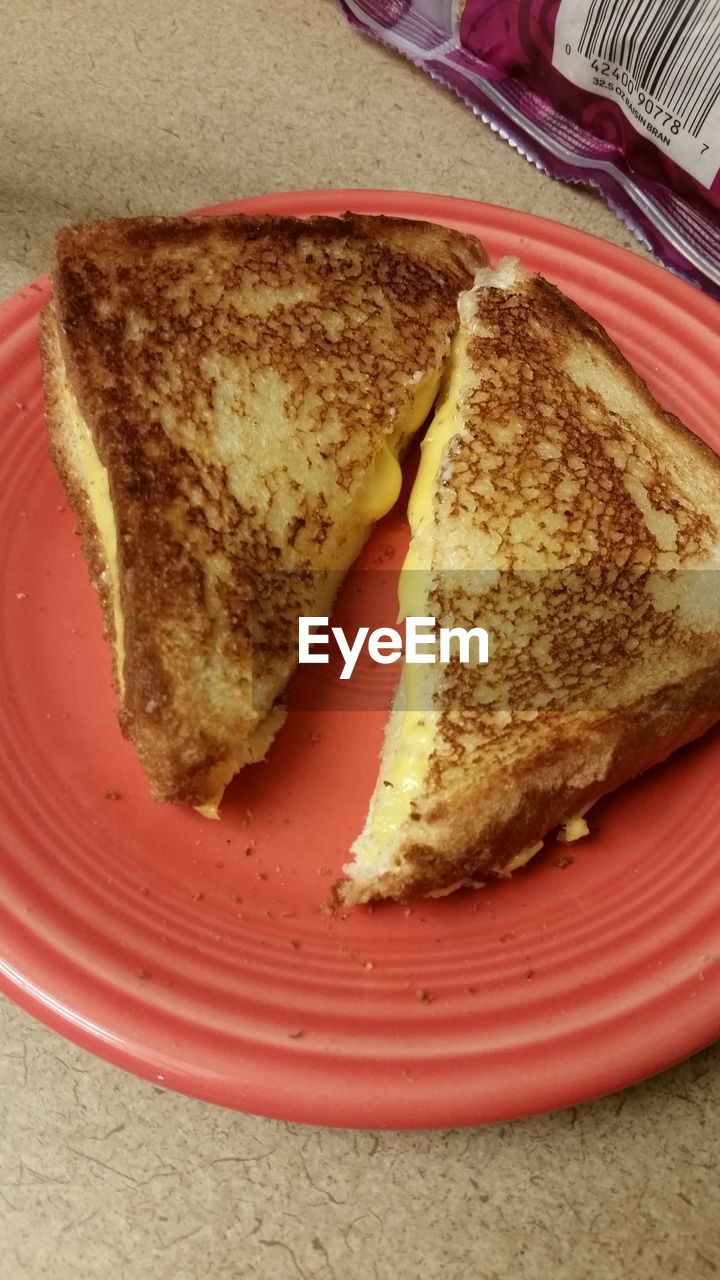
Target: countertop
point(113, 109)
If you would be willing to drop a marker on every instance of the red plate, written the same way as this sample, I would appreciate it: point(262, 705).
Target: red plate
point(167, 945)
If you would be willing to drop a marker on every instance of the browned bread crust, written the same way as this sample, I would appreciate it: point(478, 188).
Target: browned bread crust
point(239, 377)
point(474, 833)
point(599, 513)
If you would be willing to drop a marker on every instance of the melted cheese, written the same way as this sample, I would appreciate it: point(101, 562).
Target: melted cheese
point(574, 828)
point(407, 763)
point(380, 492)
point(94, 478)
point(382, 485)
point(411, 736)
point(381, 489)
point(96, 485)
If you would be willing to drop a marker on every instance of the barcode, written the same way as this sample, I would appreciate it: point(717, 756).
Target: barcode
point(671, 48)
point(658, 61)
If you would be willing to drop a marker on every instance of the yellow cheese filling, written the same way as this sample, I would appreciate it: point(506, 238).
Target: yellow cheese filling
point(410, 747)
point(403, 779)
point(382, 485)
point(379, 494)
point(94, 479)
point(574, 828)
point(404, 775)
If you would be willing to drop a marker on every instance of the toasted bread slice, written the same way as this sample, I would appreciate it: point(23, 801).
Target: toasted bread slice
point(226, 401)
point(560, 508)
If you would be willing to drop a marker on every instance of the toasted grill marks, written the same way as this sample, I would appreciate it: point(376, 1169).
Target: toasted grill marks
point(580, 525)
point(574, 504)
point(558, 470)
point(176, 351)
point(239, 377)
point(571, 768)
point(555, 637)
point(571, 495)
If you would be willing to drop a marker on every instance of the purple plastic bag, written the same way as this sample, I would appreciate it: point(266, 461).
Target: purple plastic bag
point(620, 94)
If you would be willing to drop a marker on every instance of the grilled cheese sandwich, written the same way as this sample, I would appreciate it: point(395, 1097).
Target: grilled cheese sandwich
point(557, 504)
point(228, 403)
point(414, 728)
point(96, 488)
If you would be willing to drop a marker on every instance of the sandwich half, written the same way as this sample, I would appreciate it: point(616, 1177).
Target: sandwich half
point(227, 400)
point(558, 507)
